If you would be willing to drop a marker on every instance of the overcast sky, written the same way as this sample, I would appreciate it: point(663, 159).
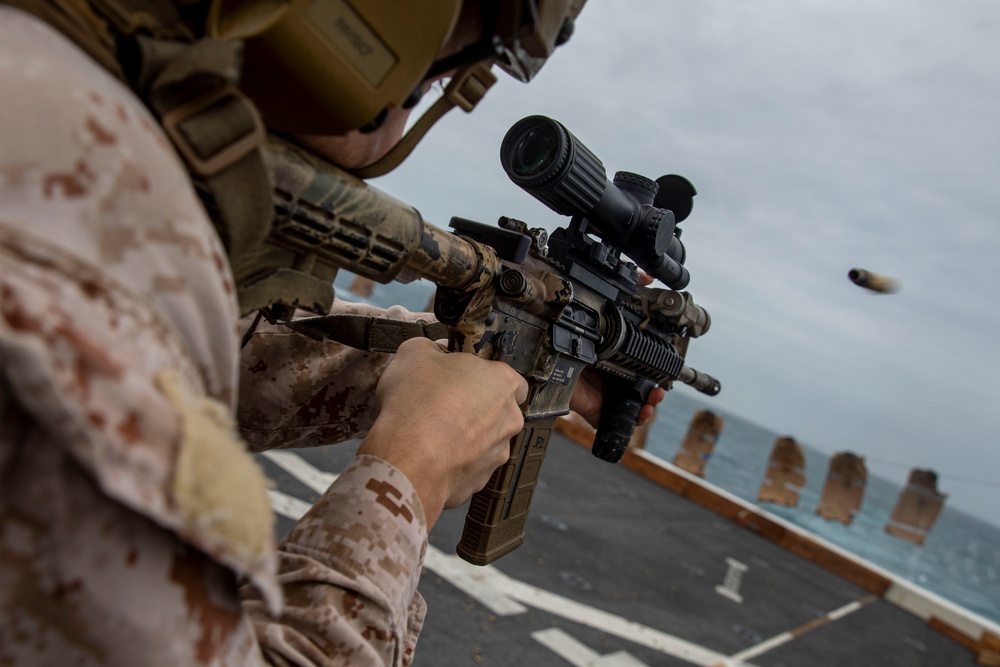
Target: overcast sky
point(821, 136)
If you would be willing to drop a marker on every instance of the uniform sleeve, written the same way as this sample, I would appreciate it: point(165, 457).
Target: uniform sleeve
point(130, 505)
point(298, 392)
point(349, 570)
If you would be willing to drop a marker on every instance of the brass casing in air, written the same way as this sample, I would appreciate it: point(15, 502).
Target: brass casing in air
point(873, 281)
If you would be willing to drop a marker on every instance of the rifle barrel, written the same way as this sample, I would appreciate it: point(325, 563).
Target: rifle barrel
point(703, 382)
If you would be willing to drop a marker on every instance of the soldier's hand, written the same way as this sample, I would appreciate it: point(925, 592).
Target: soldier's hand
point(445, 420)
point(588, 397)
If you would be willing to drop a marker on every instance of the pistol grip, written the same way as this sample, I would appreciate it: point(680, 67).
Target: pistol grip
point(622, 404)
point(495, 523)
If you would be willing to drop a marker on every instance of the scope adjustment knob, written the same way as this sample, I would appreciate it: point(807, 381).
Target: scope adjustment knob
point(640, 187)
point(658, 228)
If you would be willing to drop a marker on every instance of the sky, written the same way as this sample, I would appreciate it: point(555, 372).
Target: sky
point(821, 137)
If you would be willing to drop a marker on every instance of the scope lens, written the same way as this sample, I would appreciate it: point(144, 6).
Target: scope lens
point(534, 151)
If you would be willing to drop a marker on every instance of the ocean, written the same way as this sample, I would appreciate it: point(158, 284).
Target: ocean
point(960, 560)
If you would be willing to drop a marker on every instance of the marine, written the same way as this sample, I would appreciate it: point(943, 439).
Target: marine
point(134, 525)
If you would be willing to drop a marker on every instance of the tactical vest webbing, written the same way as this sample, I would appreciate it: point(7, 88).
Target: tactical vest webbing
point(190, 83)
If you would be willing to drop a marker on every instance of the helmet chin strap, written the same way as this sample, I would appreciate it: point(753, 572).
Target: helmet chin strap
point(466, 89)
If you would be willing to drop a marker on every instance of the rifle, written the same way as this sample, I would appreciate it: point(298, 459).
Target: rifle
point(550, 306)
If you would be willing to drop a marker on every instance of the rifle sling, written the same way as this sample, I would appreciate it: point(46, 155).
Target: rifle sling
point(373, 334)
point(192, 88)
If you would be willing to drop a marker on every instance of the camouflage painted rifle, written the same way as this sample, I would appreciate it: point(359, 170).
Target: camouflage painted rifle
point(549, 306)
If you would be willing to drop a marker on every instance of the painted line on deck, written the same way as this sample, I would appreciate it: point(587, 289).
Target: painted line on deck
point(287, 505)
point(579, 654)
point(491, 585)
point(506, 596)
point(296, 466)
point(805, 628)
point(730, 587)
point(484, 584)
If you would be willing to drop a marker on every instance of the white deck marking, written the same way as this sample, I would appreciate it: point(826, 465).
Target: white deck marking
point(785, 637)
point(730, 587)
point(502, 594)
point(849, 608)
point(580, 655)
point(612, 624)
point(286, 505)
point(316, 479)
point(764, 646)
point(485, 584)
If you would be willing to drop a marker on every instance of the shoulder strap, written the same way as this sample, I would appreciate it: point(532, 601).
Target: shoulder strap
point(465, 91)
point(192, 88)
point(190, 85)
point(374, 334)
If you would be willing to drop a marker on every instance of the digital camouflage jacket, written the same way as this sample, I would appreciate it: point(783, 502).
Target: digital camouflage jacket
point(134, 525)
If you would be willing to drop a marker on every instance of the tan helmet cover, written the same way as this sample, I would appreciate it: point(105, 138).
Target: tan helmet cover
point(329, 66)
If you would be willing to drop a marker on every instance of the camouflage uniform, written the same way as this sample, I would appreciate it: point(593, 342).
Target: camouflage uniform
point(128, 504)
point(284, 402)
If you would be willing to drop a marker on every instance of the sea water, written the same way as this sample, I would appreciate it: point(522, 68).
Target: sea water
point(960, 560)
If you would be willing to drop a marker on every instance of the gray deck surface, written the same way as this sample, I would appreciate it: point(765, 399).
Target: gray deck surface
point(602, 540)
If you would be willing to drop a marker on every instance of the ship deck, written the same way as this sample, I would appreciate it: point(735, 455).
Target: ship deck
point(619, 571)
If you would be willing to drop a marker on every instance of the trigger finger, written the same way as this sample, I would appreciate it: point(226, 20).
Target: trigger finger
point(522, 391)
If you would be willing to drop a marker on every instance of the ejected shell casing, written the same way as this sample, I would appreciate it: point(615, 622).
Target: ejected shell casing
point(873, 281)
